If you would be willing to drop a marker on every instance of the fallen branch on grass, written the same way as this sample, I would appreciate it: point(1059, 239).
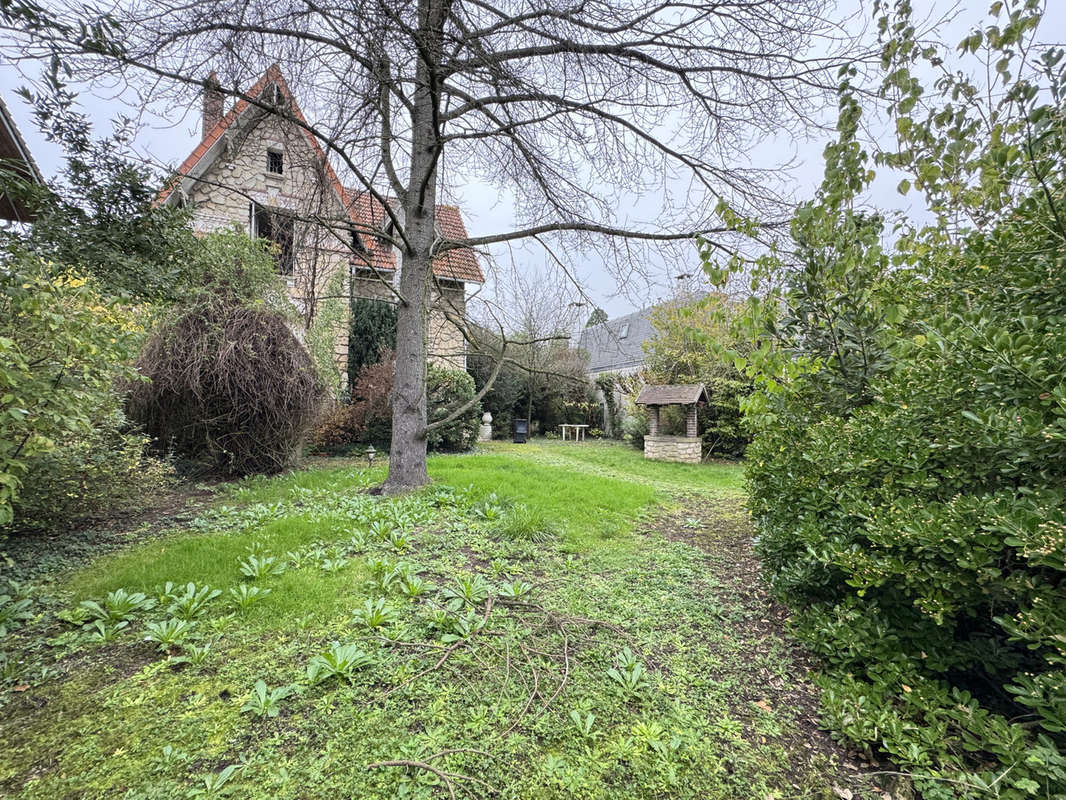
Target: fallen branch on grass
point(448, 778)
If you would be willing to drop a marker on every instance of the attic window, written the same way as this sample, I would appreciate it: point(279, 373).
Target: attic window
point(624, 332)
point(275, 162)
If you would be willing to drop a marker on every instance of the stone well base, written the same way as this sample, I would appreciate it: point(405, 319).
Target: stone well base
point(672, 448)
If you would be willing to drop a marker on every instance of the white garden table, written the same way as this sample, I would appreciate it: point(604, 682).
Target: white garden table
point(577, 432)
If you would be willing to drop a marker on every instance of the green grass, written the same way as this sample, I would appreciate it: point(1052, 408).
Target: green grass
point(622, 460)
point(574, 522)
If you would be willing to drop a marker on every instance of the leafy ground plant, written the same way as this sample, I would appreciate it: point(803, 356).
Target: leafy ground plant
point(341, 661)
point(265, 702)
point(476, 674)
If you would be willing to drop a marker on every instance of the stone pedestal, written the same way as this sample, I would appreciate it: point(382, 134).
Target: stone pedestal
point(672, 448)
point(484, 431)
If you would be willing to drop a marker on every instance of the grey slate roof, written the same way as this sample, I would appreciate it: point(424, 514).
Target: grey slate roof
point(672, 393)
point(615, 345)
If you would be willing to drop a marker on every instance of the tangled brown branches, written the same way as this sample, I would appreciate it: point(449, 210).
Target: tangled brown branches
point(230, 387)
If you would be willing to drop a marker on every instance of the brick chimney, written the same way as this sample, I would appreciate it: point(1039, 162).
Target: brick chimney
point(213, 103)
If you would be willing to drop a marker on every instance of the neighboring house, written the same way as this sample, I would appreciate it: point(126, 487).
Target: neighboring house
point(617, 345)
point(15, 156)
point(268, 175)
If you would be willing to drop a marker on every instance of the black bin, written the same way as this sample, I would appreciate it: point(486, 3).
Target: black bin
point(521, 431)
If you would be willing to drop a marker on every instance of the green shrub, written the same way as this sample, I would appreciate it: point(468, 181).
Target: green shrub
point(62, 347)
point(372, 332)
point(635, 426)
point(446, 390)
point(908, 464)
point(96, 473)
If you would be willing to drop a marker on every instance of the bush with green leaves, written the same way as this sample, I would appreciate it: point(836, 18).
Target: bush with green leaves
point(372, 332)
point(907, 469)
point(447, 390)
point(62, 347)
point(98, 472)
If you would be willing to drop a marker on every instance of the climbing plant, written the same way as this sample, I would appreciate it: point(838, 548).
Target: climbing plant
point(372, 331)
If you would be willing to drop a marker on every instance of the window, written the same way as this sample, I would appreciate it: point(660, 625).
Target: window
point(275, 162)
point(624, 332)
point(278, 228)
point(357, 242)
point(370, 274)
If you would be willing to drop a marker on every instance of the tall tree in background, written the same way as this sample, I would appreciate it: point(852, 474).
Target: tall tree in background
point(597, 317)
point(573, 107)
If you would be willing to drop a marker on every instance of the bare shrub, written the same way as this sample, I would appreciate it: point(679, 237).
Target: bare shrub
point(230, 387)
point(368, 417)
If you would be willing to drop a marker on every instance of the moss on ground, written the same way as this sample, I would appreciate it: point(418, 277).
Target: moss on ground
point(525, 693)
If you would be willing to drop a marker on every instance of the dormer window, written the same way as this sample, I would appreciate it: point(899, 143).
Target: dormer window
point(275, 162)
point(624, 332)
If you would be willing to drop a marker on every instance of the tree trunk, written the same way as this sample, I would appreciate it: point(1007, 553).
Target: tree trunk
point(407, 454)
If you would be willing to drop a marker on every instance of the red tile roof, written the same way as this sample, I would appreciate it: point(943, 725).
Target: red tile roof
point(365, 210)
point(459, 265)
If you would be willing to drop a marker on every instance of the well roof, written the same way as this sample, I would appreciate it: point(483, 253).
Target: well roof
point(680, 393)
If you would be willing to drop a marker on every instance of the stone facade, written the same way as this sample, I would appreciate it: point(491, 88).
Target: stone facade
point(672, 448)
point(446, 345)
point(260, 173)
point(237, 187)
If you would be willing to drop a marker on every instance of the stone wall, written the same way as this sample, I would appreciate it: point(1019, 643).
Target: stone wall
point(447, 347)
point(672, 448)
point(239, 176)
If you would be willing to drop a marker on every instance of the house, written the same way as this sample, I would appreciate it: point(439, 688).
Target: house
point(618, 344)
point(15, 156)
point(259, 168)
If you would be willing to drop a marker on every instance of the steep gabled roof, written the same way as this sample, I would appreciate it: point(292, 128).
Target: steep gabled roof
point(365, 211)
point(460, 264)
point(618, 343)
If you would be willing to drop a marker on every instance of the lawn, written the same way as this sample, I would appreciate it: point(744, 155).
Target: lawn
point(546, 620)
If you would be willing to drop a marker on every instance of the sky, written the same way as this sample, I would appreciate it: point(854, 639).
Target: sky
point(170, 134)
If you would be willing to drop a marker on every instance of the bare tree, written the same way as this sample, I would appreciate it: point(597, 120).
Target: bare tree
point(573, 105)
point(535, 313)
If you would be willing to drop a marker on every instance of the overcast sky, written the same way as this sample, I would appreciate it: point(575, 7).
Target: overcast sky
point(170, 134)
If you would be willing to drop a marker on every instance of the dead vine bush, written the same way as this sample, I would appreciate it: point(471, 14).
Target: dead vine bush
point(229, 387)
